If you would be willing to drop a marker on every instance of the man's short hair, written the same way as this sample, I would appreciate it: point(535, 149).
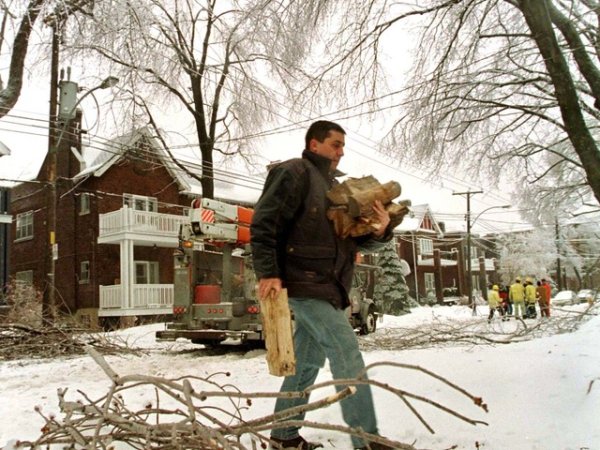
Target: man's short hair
point(319, 130)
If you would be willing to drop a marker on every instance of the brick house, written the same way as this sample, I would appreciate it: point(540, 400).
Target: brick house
point(118, 216)
point(437, 258)
point(485, 269)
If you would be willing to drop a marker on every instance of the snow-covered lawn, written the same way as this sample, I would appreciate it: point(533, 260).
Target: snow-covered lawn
point(536, 390)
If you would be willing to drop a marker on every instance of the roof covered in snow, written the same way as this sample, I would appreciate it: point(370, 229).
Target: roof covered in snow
point(228, 185)
point(421, 219)
point(4, 150)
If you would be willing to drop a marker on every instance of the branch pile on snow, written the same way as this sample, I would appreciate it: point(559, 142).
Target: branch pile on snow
point(26, 334)
point(199, 413)
point(476, 331)
point(19, 341)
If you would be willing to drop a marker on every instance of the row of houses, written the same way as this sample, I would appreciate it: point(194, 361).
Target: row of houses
point(118, 212)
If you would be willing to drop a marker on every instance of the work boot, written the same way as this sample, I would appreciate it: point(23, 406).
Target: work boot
point(297, 443)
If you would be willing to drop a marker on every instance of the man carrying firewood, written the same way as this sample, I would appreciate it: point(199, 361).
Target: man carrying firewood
point(295, 246)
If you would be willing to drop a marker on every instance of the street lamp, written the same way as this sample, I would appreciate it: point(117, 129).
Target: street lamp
point(66, 113)
point(469, 224)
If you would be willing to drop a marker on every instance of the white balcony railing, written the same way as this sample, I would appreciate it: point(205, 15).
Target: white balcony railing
point(110, 297)
point(152, 295)
point(128, 220)
point(147, 298)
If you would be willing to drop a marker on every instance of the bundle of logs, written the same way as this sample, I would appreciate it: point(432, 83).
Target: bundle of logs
point(352, 211)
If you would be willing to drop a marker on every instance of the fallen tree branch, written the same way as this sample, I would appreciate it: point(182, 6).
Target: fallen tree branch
point(21, 341)
point(475, 331)
point(188, 416)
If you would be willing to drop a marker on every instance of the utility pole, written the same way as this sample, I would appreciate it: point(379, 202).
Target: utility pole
point(559, 274)
point(48, 300)
point(61, 121)
point(469, 281)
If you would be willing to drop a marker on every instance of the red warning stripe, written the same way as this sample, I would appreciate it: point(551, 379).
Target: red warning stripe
point(207, 215)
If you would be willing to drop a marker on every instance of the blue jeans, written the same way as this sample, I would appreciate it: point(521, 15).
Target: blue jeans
point(323, 331)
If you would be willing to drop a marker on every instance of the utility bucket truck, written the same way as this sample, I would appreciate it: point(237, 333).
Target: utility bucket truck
point(215, 285)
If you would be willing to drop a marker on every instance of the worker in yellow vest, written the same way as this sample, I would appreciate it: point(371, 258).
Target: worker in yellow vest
point(494, 302)
point(530, 299)
point(517, 295)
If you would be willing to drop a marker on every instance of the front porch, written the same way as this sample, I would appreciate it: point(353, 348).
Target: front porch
point(135, 300)
point(129, 228)
point(140, 227)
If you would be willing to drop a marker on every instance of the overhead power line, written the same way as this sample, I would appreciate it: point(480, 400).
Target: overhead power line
point(338, 114)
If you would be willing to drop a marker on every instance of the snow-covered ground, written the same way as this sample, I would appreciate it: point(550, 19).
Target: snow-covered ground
point(536, 391)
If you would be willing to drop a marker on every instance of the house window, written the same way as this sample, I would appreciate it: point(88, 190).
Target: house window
point(429, 281)
point(84, 272)
point(84, 204)
point(25, 225)
point(140, 203)
point(85, 320)
point(24, 278)
point(426, 246)
point(146, 272)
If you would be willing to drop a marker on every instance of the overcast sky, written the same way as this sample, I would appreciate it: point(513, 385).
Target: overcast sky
point(24, 132)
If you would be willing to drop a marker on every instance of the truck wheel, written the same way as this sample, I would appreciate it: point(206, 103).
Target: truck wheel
point(208, 342)
point(369, 324)
point(254, 344)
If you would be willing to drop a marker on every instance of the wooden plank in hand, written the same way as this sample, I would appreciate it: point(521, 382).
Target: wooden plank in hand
point(277, 331)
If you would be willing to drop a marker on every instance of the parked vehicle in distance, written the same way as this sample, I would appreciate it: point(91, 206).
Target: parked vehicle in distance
point(362, 311)
point(564, 298)
point(585, 295)
point(451, 296)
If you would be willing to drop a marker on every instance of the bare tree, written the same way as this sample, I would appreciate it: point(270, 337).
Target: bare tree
point(529, 253)
point(495, 82)
point(219, 62)
point(575, 241)
point(507, 84)
point(580, 251)
point(10, 93)
point(54, 14)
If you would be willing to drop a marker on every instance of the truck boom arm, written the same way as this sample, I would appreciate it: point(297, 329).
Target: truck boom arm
point(218, 221)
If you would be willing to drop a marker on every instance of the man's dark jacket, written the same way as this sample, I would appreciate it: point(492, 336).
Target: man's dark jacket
point(293, 239)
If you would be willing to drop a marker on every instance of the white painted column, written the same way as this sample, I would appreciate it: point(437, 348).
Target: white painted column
point(127, 273)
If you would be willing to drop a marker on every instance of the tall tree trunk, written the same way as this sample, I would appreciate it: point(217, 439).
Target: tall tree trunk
point(207, 181)
point(10, 94)
point(537, 15)
point(205, 141)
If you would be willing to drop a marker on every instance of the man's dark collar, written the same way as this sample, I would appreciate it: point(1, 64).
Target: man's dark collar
point(322, 163)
